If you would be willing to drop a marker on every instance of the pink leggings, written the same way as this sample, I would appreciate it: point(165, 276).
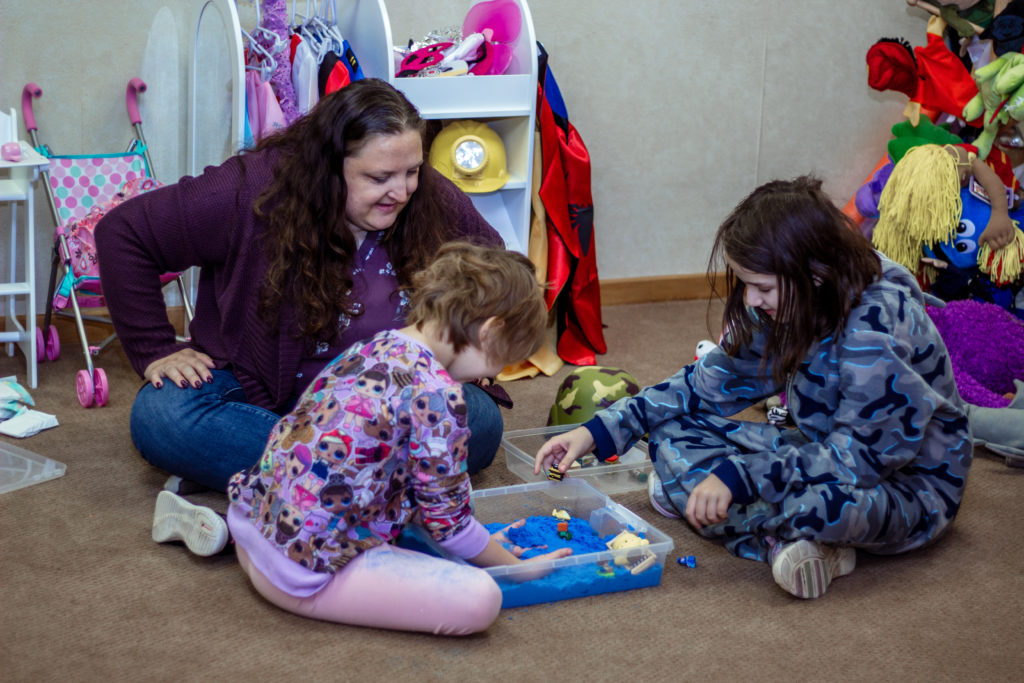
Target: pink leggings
point(394, 588)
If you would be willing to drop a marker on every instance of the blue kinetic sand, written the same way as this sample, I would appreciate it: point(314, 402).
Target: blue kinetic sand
point(636, 559)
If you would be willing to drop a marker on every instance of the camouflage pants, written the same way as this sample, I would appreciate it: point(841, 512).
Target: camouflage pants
point(888, 518)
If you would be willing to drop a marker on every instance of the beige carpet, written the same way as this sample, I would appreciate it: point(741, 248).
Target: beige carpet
point(85, 595)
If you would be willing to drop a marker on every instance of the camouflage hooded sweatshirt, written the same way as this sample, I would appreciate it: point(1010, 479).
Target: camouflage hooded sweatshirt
point(881, 449)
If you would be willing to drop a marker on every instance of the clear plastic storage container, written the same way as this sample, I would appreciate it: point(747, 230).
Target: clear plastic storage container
point(629, 473)
point(635, 560)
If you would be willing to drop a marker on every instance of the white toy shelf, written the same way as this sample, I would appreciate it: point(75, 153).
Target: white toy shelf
point(507, 103)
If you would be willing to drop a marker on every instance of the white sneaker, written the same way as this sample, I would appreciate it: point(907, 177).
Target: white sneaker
point(805, 569)
point(659, 500)
point(203, 531)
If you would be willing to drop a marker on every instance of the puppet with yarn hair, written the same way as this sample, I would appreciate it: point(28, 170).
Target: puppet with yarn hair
point(920, 208)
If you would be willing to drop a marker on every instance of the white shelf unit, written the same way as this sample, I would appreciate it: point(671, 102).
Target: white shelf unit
point(17, 185)
point(507, 103)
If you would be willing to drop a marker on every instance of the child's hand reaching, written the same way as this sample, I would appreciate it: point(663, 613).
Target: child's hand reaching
point(563, 449)
point(501, 537)
point(998, 233)
point(709, 502)
point(496, 553)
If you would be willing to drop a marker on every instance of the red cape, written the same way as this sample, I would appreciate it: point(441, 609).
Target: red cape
point(575, 295)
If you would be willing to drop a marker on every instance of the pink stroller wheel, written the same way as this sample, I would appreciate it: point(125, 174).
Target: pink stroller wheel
point(84, 387)
point(52, 343)
point(40, 346)
point(99, 381)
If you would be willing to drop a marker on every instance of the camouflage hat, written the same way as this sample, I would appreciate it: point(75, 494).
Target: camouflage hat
point(586, 390)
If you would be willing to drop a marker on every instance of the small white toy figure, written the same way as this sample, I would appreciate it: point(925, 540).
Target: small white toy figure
point(704, 347)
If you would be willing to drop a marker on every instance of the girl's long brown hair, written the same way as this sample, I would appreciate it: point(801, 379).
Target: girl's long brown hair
point(308, 245)
point(792, 230)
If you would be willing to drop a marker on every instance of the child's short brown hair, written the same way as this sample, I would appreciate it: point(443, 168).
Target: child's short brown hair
point(466, 284)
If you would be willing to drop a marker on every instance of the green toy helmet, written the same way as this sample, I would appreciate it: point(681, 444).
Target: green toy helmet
point(586, 390)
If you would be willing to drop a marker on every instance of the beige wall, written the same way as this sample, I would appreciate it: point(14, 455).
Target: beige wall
point(685, 106)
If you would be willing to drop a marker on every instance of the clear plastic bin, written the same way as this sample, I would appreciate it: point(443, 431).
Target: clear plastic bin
point(576, 576)
point(629, 473)
point(20, 468)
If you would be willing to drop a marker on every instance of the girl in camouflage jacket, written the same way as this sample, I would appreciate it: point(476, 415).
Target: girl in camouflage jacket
point(879, 455)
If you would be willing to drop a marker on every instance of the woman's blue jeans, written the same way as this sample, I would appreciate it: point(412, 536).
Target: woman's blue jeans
point(208, 434)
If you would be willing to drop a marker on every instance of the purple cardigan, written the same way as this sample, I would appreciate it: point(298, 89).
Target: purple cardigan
point(207, 221)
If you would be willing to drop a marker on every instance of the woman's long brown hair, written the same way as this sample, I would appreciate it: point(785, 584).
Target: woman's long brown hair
point(792, 230)
point(308, 245)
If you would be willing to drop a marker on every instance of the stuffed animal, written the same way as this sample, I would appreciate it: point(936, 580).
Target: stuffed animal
point(986, 348)
point(1000, 97)
point(931, 76)
point(920, 213)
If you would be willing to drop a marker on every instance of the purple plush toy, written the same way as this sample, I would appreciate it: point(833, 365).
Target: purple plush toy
point(986, 348)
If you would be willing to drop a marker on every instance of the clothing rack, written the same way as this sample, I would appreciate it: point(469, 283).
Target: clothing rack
point(216, 88)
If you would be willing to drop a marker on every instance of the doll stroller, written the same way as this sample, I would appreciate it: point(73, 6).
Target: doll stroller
point(81, 189)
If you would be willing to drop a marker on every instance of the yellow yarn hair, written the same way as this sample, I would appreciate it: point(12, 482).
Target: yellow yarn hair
point(920, 205)
point(1003, 266)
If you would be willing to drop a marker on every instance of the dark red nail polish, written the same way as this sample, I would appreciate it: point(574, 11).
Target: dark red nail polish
point(197, 384)
point(158, 384)
point(183, 383)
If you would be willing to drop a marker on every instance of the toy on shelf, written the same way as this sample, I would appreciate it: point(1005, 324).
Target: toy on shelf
point(1000, 97)
point(482, 46)
point(946, 181)
point(905, 136)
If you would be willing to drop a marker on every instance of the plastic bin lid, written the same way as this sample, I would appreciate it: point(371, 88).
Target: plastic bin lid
point(20, 468)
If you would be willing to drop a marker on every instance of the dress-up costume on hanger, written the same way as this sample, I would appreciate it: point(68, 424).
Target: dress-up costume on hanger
point(275, 20)
point(304, 75)
point(572, 259)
